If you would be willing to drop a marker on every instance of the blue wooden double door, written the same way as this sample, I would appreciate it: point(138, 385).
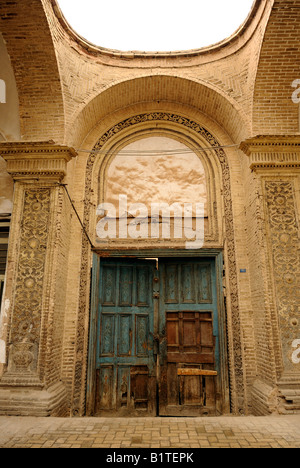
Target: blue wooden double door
point(157, 343)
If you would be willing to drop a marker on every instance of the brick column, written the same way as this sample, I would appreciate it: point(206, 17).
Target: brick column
point(275, 163)
point(32, 328)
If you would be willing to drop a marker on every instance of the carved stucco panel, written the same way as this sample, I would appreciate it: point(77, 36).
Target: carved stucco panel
point(284, 241)
point(27, 308)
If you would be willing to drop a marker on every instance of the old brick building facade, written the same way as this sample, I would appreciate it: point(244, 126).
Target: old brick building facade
point(144, 325)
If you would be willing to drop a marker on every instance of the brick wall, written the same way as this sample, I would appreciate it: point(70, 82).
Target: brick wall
point(279, 65)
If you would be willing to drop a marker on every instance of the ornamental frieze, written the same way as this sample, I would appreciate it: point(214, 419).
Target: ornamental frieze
point(284, 237)
point(27, 308)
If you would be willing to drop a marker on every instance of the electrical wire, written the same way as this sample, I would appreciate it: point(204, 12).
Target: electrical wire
point(78, 217)
point(155, 152)
point(140, 153)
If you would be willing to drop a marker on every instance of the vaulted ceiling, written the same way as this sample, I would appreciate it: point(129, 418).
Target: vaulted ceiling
point(64, 107)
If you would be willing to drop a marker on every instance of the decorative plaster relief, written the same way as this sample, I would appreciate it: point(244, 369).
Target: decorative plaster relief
point(27, 307)
point(285, 252)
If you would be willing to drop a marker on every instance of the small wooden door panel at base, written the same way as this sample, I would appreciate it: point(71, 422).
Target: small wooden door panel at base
point(157, 347)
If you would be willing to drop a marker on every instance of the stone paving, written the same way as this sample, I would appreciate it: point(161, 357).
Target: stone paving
point(159, 433)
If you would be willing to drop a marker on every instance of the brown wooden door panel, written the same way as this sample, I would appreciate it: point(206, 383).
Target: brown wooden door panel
point(157, 329)
point(190, 358)
point(188, 338)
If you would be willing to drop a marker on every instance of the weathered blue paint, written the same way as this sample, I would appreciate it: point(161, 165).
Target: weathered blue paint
point(131, 303)
point(190, 285)
point(189, 332)
point(125, 333)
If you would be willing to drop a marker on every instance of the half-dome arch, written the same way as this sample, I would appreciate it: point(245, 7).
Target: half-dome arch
point(158, 90)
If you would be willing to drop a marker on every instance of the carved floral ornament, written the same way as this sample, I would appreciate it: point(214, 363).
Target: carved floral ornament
point(30, 162)
point(282, 153)
point(284, 232)
point(26, 324)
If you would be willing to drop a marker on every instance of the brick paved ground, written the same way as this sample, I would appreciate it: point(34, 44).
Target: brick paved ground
point(231, 432)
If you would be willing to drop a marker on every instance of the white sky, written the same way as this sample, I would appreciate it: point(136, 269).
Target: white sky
point(155, 25)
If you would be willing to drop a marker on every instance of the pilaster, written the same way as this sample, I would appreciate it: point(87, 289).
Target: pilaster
point(275, 160)
point(36, 275)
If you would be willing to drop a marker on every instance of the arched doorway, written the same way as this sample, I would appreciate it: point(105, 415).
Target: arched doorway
point(157, 337)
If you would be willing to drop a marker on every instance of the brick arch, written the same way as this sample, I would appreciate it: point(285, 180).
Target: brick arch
point(279, 65)
point(160, 88)
point(28, 38)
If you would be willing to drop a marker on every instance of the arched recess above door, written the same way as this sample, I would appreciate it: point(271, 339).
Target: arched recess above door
point(156, 169)
point(164, 185)
point(193, 154)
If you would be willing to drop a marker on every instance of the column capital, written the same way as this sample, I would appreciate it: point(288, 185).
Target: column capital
point(36, 160)
point(273, 151)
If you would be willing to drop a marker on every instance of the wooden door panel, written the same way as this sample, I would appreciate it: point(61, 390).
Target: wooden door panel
point(142, 389)
point(125, 334)
point(188, 293)
point(186, 307)
point(104, 387)
point(125, 286)
point(142, 287)
point(108, 283)
point(107, 335)
point(188, 334)
point(125, 362)
point(190, 358)
point(142, 335)
point(191, 391)
point(204, 275)
point(171, 286)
